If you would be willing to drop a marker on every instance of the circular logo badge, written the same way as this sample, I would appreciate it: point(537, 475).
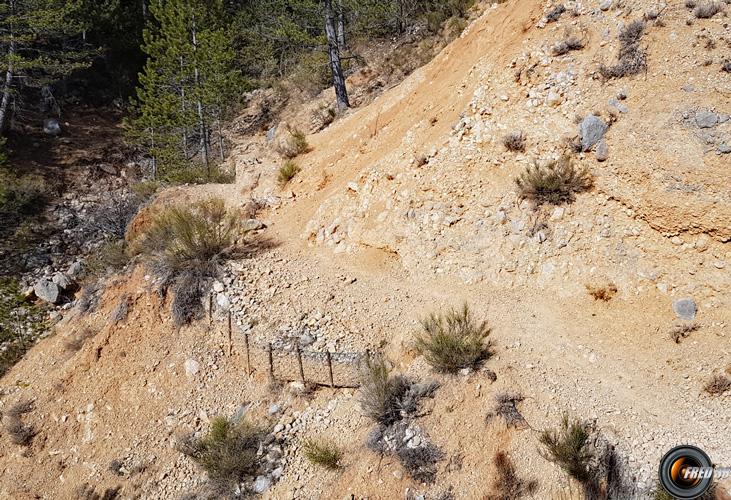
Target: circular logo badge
point(686, 472)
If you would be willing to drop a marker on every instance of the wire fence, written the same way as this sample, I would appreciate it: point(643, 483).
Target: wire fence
point(290, 364)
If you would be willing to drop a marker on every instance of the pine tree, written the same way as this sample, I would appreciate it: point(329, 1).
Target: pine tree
point(187, 87)
point(40, 42)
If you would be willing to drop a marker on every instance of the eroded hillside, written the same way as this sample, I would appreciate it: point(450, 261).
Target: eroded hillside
point(404, 207)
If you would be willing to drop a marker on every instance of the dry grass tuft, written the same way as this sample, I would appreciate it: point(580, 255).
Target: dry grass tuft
point(87, 492)
point(605, 292)
point(453, 340)
point(553, 183)
point(323, 453)
point(287, 172)
point(717, 385)
point(420, 462)
point(294, 145)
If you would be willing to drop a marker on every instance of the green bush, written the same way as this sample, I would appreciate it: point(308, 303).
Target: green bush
point(453, 340)
point(228, 452)
point(323, 453)
point(569, 448)
point(184, 247)
point(554, 183)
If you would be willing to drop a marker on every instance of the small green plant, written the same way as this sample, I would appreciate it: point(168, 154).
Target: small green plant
point(20, 324)
point(323, 453)
point(287, 172)
point(453, 340)
point(228, 452)
point(380, 392)
point(294, 144)
point(553, 183)
point(568, 447)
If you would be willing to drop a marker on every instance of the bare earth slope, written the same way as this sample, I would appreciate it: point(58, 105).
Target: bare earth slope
point(371, 238)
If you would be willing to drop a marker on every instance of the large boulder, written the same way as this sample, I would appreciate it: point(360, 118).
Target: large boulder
point(47, 291)
point(591, 130)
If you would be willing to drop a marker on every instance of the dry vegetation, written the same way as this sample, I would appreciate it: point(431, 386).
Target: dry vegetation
point(681, 331)
point(294, 145)
point(604, 292)
point(717, 385)
point(20, 433)
point(554, 183)
point(632, 58)
point(453, 340)
point(708, 9)
point(381, 393)
point(506, 407)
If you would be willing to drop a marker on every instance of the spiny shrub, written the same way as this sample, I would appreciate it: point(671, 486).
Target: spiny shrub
point(87, 492)
point(507, 484)
point(632, 58)
point(567, 45)
point(569, 448)
point(453, 340)
point(19, 433)
point(112, 218)
point(420, 462)
point(185, 246)
point(380, 392)
point(228, 452)
point(323, 453)
point(554, 14)
point(287, 172)
point(707, 10)
point(717, 385)
point(506, 406)
point(555, 182)
point(515, 141)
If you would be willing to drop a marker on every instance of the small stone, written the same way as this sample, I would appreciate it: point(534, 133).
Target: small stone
point(719, 264)
point(261, 484)
point(218, 287)
point(605, 5)
point(75, 269)
point(602, 151)
point(275, 408)
point(51, 127)
point(591, 131)
point(61, 280)
point(685, 308)
point(191, 367)
point(223, 301)
point(724, 149)
point(253, 225)
point(47, 291)
point(706, 119)
point(557, 213)
point(553, 99)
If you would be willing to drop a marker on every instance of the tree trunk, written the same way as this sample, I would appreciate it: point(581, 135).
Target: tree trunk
point(201, 116)
point(341, 92)
point(7, 86)
point(341, 26)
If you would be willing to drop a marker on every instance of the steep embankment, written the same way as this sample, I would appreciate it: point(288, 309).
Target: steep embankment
point(404, 207)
